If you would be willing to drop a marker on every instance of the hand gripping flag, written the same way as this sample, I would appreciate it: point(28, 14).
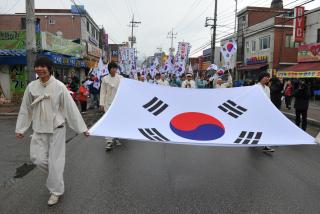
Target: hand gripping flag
point(237, 117)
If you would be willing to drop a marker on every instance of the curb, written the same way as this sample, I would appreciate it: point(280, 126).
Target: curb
point(310, 120)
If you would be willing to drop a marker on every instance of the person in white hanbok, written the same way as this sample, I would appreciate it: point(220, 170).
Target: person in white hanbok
point(108, 90)
point(189, 82)
point(162, 80)
point(48, 105)
point(263, 80)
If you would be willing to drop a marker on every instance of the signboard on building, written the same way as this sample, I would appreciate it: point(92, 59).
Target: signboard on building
point(18, 78)
point(298, 24)
point(257, 60)
point(94, 51)
point(65, 60)
point(309, 53)
point(93, 40)
point(303, 74)
point(77, 9)
point(57, 44)
point(15, 39)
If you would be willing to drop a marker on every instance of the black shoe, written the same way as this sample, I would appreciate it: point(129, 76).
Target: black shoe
point(267, 149)
point(109, 146)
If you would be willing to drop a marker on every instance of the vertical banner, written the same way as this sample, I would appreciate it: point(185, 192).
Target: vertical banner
point(298, 24)
point(127, 58)
point(183, 50)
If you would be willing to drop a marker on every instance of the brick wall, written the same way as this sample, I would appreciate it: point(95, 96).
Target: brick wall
point(282, 54)
point(69, 25)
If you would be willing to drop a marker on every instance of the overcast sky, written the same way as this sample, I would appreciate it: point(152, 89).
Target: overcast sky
point(158, 17)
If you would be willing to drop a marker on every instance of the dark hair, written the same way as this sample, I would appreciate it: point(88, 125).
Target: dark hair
point(112, 65)
point(44, 61)
point(262, 75)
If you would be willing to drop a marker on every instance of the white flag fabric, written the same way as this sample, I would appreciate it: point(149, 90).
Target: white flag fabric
point(240, 117)
point(212, 67)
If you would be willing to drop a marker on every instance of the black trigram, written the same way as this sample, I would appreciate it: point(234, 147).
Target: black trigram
point(232, 109)
point(248, 138)
point(155, 106)
point(153, 134)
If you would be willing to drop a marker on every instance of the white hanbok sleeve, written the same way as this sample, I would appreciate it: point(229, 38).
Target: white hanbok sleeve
point(25, 113)
point(103, 91)
point(71, 113)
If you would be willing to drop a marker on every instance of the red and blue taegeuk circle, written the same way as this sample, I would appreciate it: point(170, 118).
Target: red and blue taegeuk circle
point(197, 126)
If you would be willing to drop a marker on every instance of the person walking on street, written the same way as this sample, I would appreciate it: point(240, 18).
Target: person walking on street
point(83, 97)
point(48, 105)
point(263, 81)
point(108, 90)
point(301, 104)
point(288, 92)
point(276, 88)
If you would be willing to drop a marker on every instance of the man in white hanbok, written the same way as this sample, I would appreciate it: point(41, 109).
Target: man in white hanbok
point(108, 90)
point(189, 82)
point(48, 105)
point(263, 80)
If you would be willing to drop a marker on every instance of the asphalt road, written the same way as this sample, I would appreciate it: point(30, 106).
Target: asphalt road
point(161, 178)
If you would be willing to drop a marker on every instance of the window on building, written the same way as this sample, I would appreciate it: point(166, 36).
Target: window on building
point(88, 26)
point(289, 42)
point(97, 35)
point(247, 47)
point(52, 21)
point(318, 36)
point(253, 46)
point(93, 31)
point(264, 43)
point(23, 23)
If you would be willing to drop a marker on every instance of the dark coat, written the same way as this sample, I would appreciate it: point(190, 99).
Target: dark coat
point(276, 88)
point(301, 98)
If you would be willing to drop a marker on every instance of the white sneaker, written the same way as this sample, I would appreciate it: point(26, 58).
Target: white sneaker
point(54, 199)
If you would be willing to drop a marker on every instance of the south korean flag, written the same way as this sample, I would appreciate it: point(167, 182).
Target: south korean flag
point(241, 116)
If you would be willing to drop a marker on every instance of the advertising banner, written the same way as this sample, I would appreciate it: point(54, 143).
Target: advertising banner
point(53, 43)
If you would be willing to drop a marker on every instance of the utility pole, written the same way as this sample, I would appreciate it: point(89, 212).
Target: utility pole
point(31, 47)
point(214, 30)
point(133, 24)
point(235, 18)
point(171, 35)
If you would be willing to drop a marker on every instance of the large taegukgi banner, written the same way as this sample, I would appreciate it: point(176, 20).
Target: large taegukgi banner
point(212, 117)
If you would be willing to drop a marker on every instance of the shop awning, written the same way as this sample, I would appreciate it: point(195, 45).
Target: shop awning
point(13, 57)
point(301, 70)
point(306, 66)
point(14, 52)
point(252, 67)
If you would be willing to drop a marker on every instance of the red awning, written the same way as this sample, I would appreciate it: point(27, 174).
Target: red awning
point(252, 67)
point(305, 66)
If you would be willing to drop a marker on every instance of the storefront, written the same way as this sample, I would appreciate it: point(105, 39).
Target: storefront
point(67, 66)
point(254, 65)
point(308, 67)
point(93, 55)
